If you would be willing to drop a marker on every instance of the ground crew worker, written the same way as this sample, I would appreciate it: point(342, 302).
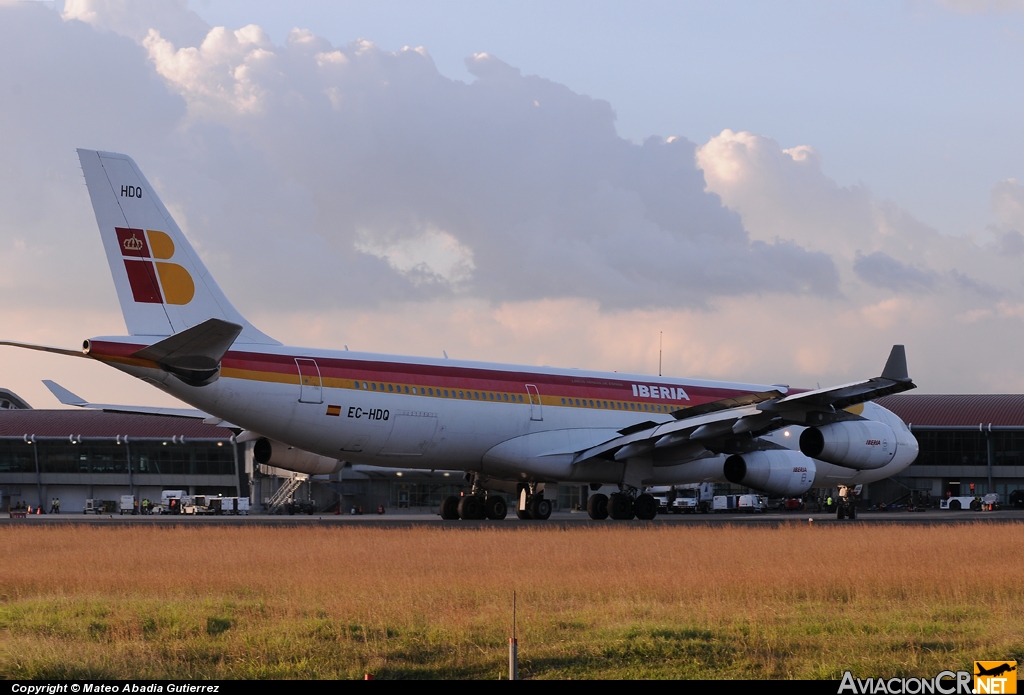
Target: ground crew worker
point(57, 505)
point(145, 506)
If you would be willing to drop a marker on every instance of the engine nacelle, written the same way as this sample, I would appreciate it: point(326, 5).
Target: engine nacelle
point(775, 471)
point(859, 444)
point(270, 453)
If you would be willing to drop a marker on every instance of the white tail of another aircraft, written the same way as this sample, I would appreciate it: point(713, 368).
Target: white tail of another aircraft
point(162, 285)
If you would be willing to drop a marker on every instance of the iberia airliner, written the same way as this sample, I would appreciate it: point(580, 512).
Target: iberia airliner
point(513, 429)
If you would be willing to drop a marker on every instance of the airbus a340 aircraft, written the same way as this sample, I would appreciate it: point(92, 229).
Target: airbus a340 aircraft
point(511, 428)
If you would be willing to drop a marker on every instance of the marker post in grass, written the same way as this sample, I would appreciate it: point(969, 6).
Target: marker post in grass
point(513, 646)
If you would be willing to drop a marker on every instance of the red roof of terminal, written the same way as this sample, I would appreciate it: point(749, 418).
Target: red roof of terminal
point(957, 410)
point(96, 423)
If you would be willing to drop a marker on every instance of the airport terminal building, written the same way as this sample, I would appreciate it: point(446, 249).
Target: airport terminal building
point(965, 440)
point(77, 454)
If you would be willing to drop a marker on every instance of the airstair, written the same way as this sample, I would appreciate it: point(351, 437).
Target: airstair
point(285, 493)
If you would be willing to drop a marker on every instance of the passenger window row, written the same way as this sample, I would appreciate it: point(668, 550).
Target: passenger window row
point(500, 397)
point(437, 392)
point(614, 405)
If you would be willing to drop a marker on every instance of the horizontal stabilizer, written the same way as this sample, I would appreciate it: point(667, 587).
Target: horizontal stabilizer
point(63, 395)
point(68, 398)
point(44, 348)
point(194, 354)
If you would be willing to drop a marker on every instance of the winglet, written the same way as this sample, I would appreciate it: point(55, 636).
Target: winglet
point(896, 365)
point(63, 395)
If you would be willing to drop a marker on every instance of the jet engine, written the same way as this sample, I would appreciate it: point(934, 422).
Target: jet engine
point(859, 444)
point(270, 453)
point(775, 471)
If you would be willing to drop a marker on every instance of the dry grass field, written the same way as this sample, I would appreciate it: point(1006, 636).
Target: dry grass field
point(621, 601)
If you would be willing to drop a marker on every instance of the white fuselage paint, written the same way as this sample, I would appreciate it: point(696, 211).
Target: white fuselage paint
point(505, 440)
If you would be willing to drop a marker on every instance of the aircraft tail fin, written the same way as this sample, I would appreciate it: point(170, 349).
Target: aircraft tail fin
point(162, 284)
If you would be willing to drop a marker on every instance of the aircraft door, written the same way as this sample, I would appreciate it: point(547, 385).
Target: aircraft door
point(535, 409)
point(310, 385)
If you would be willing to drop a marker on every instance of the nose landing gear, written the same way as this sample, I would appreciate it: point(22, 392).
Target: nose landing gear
point(845, 508)
point(532, 504)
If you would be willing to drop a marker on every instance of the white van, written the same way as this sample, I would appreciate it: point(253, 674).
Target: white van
point(752, 503)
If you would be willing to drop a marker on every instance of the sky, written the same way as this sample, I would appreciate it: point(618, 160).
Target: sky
point(776, 192)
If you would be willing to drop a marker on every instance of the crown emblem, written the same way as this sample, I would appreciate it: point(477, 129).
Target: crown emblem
point(133, 244)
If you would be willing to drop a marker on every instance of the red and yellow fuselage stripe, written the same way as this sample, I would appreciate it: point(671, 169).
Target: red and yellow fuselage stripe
point(437, 381)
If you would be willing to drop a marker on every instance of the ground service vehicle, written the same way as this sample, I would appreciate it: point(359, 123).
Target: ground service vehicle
point(511, 428)
point(172, 502)
point(93, 506)
point(972, 503)
point(127, 505)
point(197, 504)
point(676, 499)
point(687, 499)
point(725, 503)
point(752, 503)
point(229, 505)
point(664, 496)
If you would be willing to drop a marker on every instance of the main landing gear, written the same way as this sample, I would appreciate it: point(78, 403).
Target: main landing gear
point(622, 506)
point(475, 506)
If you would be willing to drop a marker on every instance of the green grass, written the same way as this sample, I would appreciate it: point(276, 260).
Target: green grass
point(429, 603)
point(68, 638)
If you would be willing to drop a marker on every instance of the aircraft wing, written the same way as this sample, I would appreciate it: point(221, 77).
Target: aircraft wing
point(68, 398)
point(722, 425)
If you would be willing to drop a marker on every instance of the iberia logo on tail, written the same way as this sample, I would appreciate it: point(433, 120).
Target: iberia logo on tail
point(153, 281)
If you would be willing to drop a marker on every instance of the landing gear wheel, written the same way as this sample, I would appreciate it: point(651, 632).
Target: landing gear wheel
point(539, 507)
point(523, 514)
point(597, 507)
point(450, 508)
point(840, 513)
point(620, 506)
point(495, 508)
point(471, 508)
point(852, 513)
point(646, 507)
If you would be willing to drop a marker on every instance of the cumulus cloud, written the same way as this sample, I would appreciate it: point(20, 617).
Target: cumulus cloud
point(883, 270)
point(1008, 204)
point(878, 248)
point(524, 176)
point(135, 18)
